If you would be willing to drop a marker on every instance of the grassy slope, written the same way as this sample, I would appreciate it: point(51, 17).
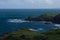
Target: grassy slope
point(52, 35)
point(49, 15)
point(27, 33)
point(17, 34)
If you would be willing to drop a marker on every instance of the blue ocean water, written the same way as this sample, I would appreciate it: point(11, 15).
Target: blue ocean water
point(11, 20)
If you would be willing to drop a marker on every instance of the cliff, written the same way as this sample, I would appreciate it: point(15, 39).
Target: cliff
point(55, 18)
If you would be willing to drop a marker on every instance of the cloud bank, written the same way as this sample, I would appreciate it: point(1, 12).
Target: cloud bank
point(49, 2)
point(29, 4)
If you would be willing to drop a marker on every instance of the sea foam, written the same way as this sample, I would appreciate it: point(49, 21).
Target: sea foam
point(57, 25)
point(16, 20)
point(39, 29)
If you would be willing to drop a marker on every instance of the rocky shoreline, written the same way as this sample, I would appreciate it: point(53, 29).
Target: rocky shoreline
point(54, 18)
point(26, 34)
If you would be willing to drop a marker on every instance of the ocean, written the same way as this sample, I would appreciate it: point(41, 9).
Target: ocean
point(12, 20)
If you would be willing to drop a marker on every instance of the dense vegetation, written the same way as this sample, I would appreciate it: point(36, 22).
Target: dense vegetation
point(53, 34)
point(25, 34)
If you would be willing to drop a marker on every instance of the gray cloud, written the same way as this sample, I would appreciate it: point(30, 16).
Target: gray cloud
point(29, 4)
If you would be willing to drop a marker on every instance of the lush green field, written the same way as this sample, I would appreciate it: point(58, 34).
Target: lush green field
point(53, 34)
point(25, 34)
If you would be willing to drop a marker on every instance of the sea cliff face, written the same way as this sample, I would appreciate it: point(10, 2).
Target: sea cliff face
point(55, 18)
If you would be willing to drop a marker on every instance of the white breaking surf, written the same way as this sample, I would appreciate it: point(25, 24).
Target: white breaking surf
point(16, 21)
point(57, 25)
point(36, 29)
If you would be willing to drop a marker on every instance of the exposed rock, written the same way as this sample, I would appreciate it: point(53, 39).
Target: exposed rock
point(56, 19)
point(45, 17)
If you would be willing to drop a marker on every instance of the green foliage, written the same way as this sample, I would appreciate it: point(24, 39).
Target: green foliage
point(25, 34)
point(49, 15)
point(53, 34)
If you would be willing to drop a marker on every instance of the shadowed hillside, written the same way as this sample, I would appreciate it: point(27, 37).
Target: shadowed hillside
point(25, 34)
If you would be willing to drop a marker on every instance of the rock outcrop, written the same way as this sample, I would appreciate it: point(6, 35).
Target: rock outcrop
point(44, 17)
point(56, 19)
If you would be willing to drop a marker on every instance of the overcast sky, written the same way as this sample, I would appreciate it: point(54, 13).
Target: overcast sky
point(33, 4)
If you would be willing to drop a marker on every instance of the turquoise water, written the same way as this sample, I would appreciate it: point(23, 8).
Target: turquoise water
point(11, 20)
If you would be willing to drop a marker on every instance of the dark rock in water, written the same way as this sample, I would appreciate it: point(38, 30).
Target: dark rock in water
point(40, 18)
point(32, 19)
point(47, 23)
point(56, 19)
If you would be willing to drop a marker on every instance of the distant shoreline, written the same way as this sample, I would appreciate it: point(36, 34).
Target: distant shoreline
point(54, 18)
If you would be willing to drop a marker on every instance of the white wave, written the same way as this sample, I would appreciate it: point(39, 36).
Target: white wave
point(16, 20)
point(33, 29)
point(57, 25)
point(39, 29)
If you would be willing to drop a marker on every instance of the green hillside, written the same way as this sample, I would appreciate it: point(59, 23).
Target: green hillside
point(25, 34)
point(53, 34)
point(49, 15)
